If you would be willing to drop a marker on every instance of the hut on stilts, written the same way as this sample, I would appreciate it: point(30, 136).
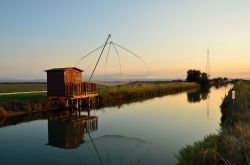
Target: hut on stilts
point(65, 84)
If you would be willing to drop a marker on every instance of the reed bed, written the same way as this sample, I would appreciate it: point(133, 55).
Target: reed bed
point(232, 143)
point(142, 90)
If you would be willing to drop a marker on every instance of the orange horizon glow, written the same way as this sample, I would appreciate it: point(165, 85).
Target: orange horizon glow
point(170, 36)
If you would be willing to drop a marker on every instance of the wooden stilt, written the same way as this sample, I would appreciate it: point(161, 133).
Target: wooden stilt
point(89, 112)
point(67, 103)
point(98, 101)
point(77, 103)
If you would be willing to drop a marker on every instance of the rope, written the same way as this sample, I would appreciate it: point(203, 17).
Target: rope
point(88, 54)
point(144, 155)
point(99, 157)
point(134, 55)
point(118, 57)
point(107, 59)
point(106, 143)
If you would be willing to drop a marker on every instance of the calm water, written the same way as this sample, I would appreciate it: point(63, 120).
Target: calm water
point(148, 132)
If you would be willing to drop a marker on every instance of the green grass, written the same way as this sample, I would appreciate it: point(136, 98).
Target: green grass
point(201, 152)
point(232, 144)
point(22, 87)
point(23, 102)
point(242, 101)
point(23, 97)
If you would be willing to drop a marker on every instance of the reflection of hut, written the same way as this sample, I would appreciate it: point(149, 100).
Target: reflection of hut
point(67, 83)
point(69, 133)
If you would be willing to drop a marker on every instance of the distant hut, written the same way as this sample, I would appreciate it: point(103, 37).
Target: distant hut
point(67, 83)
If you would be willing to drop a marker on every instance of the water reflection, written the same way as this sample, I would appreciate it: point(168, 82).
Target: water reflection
point(68, 131)
point(208, 105)
point(198, 95)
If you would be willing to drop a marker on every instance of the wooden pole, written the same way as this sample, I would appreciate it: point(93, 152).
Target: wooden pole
point(99, 58)
point(77, 103)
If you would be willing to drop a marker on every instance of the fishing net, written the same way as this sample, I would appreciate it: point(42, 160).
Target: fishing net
point(114, 149)
point(113, 64)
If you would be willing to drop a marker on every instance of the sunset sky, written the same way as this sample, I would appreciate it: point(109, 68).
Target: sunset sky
point(172, 36)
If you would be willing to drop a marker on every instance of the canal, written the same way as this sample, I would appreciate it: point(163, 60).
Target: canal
point(146, 132)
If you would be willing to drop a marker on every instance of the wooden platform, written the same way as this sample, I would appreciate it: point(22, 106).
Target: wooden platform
point(77, 100)
point(72, 97)
point(84, 96)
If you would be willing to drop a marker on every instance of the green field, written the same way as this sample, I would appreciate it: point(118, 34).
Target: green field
point(23, 97)
point(232, 144)
point(22, 87)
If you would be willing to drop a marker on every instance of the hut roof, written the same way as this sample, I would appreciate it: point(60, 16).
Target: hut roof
point(63, 69)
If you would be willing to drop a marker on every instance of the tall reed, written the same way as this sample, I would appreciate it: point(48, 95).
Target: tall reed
point(232, 143)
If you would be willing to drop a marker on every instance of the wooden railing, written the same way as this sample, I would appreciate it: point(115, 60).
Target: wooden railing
point(81, 88)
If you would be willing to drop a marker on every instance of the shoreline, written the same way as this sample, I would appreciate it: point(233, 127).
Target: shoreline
point(109, 96)
point(231, 145)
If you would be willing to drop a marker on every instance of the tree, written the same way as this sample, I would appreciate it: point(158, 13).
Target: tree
point(204, 81)
point(193, 75)
point(197, 76)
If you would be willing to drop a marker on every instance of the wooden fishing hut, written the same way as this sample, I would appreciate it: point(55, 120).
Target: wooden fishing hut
point(66, 84)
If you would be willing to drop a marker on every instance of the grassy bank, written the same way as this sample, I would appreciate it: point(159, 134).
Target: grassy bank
point(232, 144)
point(22, 87)
point(134, 91)
point(24, 97)
point(22, 102)
point(109, 95)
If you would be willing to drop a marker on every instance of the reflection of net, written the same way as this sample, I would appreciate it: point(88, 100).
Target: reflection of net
point(116, 149)
point(115, 65)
